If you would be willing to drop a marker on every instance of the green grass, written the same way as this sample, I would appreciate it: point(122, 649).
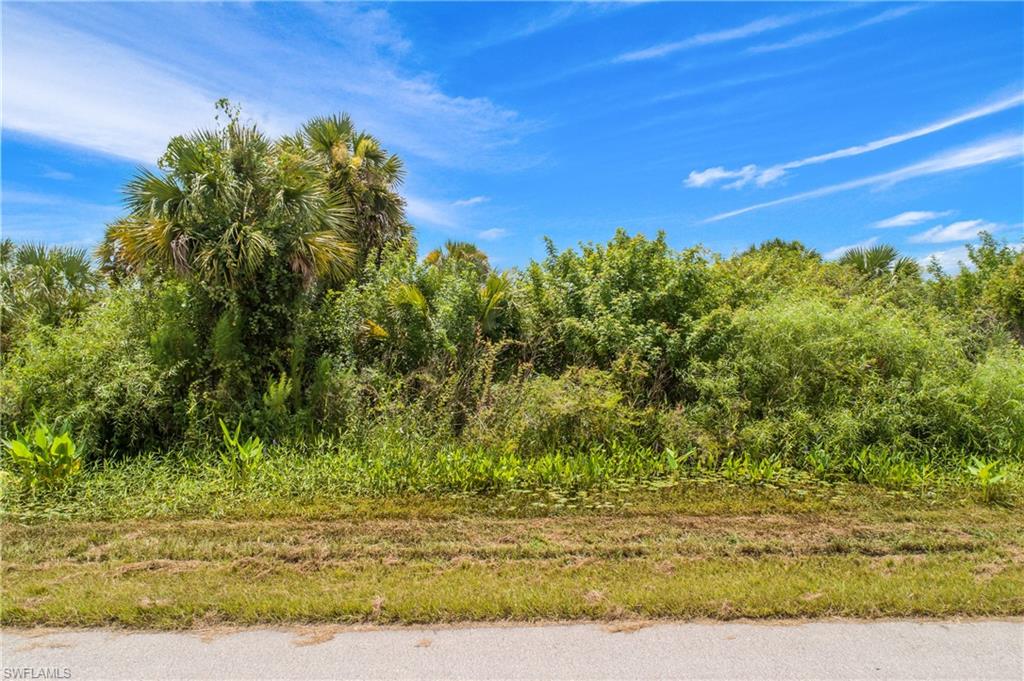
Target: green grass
point(417, 535)
point(668, 553)
point(315, 477)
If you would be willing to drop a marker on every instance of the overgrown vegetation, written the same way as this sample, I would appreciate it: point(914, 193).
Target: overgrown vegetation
point(274, 285)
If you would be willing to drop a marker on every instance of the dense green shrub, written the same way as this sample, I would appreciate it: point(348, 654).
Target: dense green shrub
point(273, 283)
point(628, 307)
point(799, 374)
point(990, 408)
point(42, 284)
point(581, 408)
point(988, 289)
point(98, 376)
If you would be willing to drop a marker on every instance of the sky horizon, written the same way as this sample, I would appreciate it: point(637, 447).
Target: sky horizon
point(721, 124)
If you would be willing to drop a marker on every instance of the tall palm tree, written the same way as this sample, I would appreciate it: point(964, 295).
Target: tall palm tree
point(357, 165)
point(878, 261)
point(231, 203)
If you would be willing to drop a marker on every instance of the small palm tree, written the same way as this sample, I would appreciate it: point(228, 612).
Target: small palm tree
point(48, 283)
point(251, 224)
point(878, 261)
point(459, 251)
point(494, 300)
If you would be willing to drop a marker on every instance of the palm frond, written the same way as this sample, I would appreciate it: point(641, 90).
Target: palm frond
point(409, 295)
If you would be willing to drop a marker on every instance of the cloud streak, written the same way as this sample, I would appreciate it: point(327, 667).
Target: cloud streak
point(837, 252)
point(431, 212)
point(765, 176)
point(747, 30)
point(981, 153)
point(827, 34)
point(69, 87)
point(964, 230)
point(70, 79)
point(492, 234)
point(910, 218)
point(471, 201)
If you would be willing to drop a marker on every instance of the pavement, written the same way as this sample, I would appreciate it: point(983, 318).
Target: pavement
point(814, 650)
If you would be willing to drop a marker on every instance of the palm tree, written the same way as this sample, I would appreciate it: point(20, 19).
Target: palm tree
point(48, 283)
point(358, 166)
point(251, 225)
point(230, 204)
point(494, 302)
point(878, 261)
point(459, 251)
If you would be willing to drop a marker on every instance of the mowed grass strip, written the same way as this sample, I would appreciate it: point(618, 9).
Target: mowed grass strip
point(185, 573)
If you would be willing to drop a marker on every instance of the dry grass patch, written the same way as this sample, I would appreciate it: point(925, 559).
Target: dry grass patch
point(461, 567)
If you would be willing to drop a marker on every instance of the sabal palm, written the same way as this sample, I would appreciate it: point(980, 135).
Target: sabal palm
point(492, 302)
point(878, 260)
point(228, 204)
point(459, 251)
point(52, 282)
point(357, 165)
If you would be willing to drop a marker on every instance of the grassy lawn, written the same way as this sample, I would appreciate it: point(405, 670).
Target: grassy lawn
point(687, 551)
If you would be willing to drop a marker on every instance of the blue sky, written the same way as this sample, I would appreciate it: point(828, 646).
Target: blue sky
point(722, 124)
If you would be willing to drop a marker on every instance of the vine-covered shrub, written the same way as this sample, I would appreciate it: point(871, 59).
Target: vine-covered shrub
point(798, 374)
point(580, 408)
point(627, 306)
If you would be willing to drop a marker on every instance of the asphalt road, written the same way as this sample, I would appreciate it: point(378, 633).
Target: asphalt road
point(820, 650)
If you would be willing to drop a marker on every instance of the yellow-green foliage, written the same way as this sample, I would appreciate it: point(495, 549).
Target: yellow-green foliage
point(44, 459)
point(796, 374)
point(581, 408)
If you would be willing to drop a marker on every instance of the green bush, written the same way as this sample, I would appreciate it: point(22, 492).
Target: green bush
point(576, 411)
point(767, 359)
point(990, 405)
point(627, 307)
point(798, 374)
point(98, 376)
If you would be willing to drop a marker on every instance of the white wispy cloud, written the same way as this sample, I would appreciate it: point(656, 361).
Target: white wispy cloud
point(69, 78)
point(752, 28)
point(492, 234)
point(765, 176)
point(553, 16)
point(963, 230)
point(717, 174)
point(54, 218)
point(949, 259)
point(826, 34)
point(910, 218)
point(54, 174)
point(69, 87)
point(432, 212)
point(981, 153)
point(17, 196)
point(471, 201)
point(837, 252)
